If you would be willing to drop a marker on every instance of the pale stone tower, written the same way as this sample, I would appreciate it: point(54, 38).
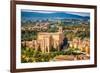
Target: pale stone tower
point(60, 29)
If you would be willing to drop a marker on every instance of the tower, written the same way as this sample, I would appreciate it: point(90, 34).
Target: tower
point(60, 29)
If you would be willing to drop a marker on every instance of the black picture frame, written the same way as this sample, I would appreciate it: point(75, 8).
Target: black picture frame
point(13, 35)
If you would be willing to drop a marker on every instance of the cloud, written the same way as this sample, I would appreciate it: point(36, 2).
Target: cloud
point(37, 11)
point(80, 13)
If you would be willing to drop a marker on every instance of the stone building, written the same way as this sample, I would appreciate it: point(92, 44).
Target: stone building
point(83, 45)
point(46, 40)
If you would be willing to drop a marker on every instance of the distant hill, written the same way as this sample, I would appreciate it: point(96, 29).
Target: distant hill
point(52, 16)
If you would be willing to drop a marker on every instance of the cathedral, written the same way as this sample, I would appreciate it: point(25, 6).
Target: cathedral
point(48, 40)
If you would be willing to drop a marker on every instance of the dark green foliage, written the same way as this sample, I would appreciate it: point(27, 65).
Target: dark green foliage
point(52, 29)
point(73, 51)
point(30, 55)
point(28, 35)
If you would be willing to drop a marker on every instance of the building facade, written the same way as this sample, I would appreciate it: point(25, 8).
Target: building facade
point(46, 40)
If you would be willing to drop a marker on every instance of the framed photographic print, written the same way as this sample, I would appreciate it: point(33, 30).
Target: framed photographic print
point(52, 36)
